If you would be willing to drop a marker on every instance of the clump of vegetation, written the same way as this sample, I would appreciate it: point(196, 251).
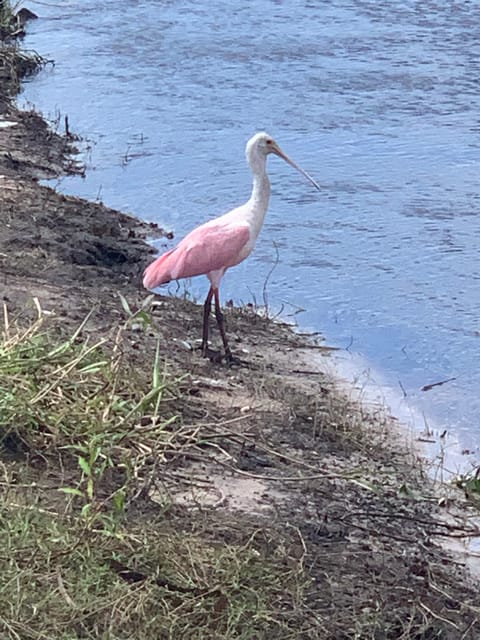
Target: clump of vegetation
point(13, 18)
point(7, 16)
point(59, 580)
point(15, 64)
point(83, 556)
point(75, 400)
point(469, 483)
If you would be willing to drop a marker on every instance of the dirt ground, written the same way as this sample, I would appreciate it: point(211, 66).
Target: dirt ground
point(297, 465)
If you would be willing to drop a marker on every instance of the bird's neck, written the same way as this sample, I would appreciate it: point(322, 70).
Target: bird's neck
point(260, 192)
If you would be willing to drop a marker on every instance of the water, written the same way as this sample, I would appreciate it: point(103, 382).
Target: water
point(378, 101)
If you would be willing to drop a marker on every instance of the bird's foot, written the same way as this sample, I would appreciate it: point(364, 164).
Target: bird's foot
point(212, 355)
point(232, 360)
point(216, 357)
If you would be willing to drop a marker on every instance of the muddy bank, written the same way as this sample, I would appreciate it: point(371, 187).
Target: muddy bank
point(67, 250)
point(273, 457)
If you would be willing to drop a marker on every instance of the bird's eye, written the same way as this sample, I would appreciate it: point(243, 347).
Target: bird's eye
point(269, 141)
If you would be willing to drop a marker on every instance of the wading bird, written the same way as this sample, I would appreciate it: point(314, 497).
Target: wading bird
point(219, 244)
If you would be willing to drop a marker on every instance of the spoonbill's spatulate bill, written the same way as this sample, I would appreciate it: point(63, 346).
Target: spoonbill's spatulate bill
point(223, 242)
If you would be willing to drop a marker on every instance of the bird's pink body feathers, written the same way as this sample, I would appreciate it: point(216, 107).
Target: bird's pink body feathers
point(225, 241)
point(209, 249)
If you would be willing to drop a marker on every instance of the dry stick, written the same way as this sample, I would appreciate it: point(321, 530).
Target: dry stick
point(468, 629)
point(446, 525)
point(234, 435)
point(432, 532)
point(435, 587)
point(262, 447)
point(269, 274)
point(216, 424)
point(63, 590)
point(459, 535)
point(319, 476)
point(32, 507)
point(302, 542)
point(213, 445)
point(192, 479)
point(437, 617)
point(378, 533)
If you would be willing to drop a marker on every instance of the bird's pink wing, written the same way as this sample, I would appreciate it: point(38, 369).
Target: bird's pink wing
point(210, 247)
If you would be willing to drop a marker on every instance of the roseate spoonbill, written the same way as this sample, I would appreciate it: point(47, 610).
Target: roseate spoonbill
point(219, 244)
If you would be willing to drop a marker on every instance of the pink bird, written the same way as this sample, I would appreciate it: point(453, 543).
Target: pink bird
point(219, 244)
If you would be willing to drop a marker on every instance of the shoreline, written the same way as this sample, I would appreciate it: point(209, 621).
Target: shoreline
point(439, 450)
point(277, 469)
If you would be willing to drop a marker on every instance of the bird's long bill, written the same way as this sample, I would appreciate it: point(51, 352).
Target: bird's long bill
point(276, 149)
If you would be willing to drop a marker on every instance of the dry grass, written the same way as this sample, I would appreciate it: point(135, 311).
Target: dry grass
point(14, 64)
point(83, 437)
point(345, 548)
point(147, 581)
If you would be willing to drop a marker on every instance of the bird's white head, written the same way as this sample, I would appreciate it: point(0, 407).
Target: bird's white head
point(261, 144)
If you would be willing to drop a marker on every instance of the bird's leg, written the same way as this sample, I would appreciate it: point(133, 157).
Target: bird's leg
point(221, 327)
point(207, 307)
point(215, 356)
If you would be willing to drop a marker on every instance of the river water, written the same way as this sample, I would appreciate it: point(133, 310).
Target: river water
point(379, 102)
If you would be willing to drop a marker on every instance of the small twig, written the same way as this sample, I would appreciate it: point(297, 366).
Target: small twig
point(302, 542)
point(190, 478)
point(437, 617)
point(63, 591)
point(213, 445)
point(269, 274)
point(468, 629)
point(405, 394)
point(449, 596)
point(202, 425)
point(308, 372)
point(427, 387)
point(391, 516)
point(32, 507)
point(258, 476)
point(378, 533)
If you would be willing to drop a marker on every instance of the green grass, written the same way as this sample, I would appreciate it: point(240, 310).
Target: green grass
point(470, 485)
point(84, 553)
point(61, 581)
point(79, 401)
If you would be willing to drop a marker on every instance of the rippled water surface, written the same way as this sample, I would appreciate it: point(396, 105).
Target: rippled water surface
point(380, 102)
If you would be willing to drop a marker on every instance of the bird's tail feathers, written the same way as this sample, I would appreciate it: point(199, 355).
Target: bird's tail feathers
point(158, 272)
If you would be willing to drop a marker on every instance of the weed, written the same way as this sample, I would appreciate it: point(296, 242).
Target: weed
point(7, 16)
point(470, 485)
point(73, 399)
